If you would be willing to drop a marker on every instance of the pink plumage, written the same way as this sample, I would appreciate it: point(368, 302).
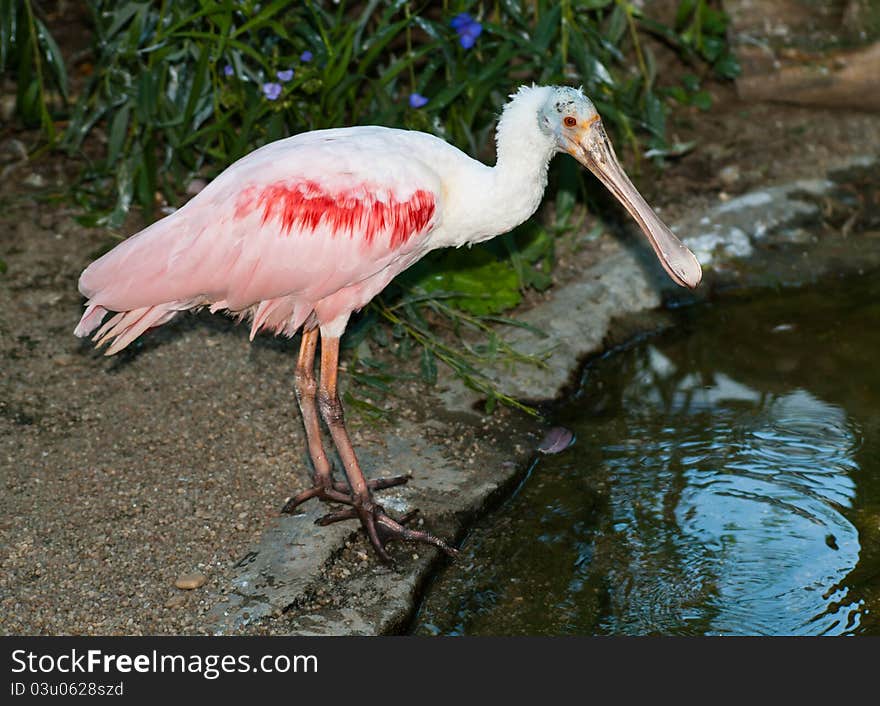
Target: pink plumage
point(277, 237)
point(356, 212)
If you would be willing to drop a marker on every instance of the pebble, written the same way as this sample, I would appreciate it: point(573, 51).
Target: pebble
point(35, 180)
point(188, 582)
point(13, 150)
point(729, 175)
point(176, 601)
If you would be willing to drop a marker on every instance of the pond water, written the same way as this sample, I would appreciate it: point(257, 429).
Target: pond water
point(725, 480)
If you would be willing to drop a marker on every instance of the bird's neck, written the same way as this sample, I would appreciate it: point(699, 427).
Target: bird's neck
point(499, 198)
point(520, 173)
point(516, 187)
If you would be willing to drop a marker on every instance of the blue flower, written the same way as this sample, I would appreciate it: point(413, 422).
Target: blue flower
point(468, 29)
point(461, 20)
point(228, 70)
point(306, 56)
point(284, 76)
point(416, 100)
point(272, 90)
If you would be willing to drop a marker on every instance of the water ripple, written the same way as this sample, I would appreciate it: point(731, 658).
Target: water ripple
point(757, 493)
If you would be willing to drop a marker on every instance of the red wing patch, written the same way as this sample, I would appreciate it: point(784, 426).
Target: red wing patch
point(356, 212)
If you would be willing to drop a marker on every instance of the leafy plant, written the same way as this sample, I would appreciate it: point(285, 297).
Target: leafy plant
point(418, 321)
point(461, 276)
point(702, 30)
point(691, 93)
point(28, 50)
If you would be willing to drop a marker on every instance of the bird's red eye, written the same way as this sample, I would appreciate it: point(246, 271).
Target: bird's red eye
point(569, 121)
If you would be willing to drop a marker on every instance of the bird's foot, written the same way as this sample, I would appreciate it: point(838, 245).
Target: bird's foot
point(338, 492)
point(381, 528)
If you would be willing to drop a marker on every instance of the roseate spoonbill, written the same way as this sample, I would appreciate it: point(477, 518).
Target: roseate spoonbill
point(304, 231)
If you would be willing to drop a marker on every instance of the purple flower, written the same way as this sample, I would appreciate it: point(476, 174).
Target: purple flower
point(468, 29)
point(272, 90)
point(228, 70)
point(416, 100)
point(306, 56)
point(460, 20)
point(469, 38)
point(284, 76)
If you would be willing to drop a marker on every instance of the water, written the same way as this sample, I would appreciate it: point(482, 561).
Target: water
point(725, 480)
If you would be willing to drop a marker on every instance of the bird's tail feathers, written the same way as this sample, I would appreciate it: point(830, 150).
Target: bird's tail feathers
point(123, 327)
point(281, 315)
point(284, 315)
point(90, 320)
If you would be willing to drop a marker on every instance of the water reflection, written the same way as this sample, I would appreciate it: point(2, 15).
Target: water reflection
point(719, 484)
point(744, 490)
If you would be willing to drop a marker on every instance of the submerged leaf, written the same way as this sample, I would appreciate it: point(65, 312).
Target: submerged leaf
point(556, 440)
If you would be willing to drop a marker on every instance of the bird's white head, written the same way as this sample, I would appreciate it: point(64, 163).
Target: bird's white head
point(570, 119)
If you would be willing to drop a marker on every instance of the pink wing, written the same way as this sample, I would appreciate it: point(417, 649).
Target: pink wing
point(318, 223)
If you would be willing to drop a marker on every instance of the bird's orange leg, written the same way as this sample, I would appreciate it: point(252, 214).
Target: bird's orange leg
point(379, 527)
point(325, 488)
point(306, 387)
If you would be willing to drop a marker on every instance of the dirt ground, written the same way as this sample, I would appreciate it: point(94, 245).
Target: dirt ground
point(121, 475)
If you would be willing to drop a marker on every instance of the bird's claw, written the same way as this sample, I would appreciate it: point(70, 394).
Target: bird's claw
point(383, 483)
point(339, 492)
point(389, 529)
point(381, 528)
point(325, 493)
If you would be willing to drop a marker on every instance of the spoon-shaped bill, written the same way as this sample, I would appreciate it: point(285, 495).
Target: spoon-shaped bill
point(596, 154)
